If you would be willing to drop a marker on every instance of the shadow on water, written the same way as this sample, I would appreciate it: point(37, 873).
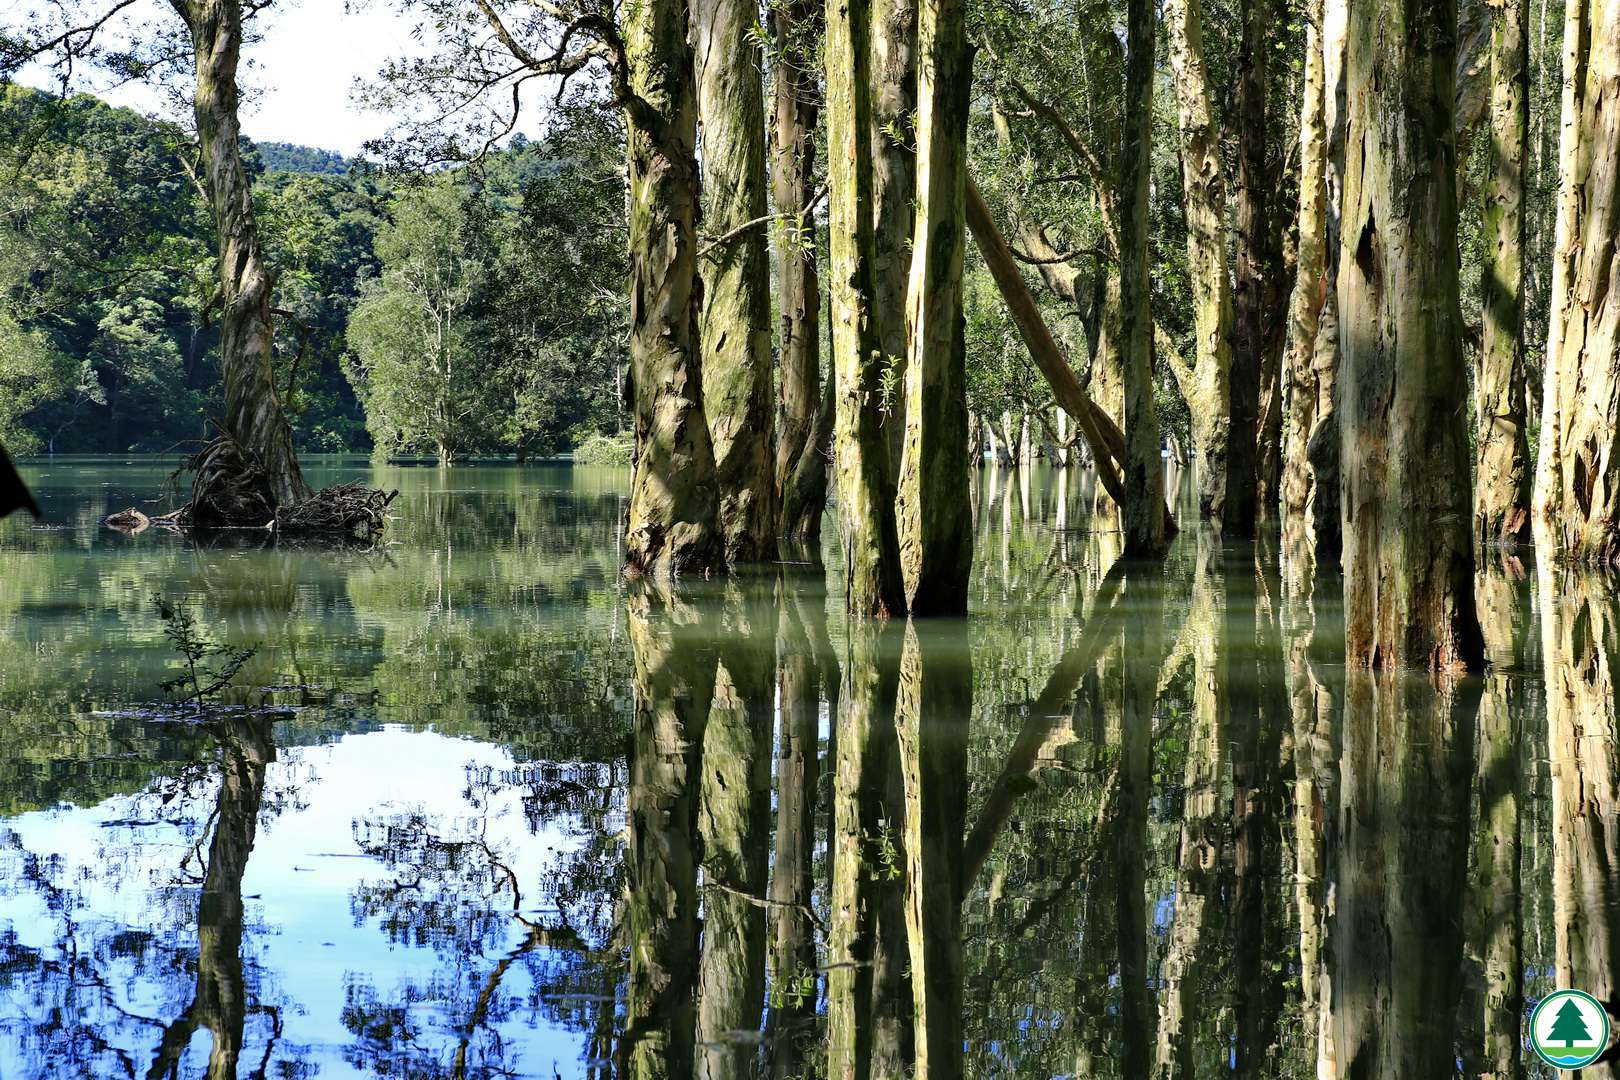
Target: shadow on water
point(484, 809)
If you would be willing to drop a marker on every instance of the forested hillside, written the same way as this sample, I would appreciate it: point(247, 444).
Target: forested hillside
point(108, 309)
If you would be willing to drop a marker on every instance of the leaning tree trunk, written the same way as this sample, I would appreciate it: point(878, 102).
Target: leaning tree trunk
point(1310, 282)
point(1206, 253)
point(936, 536)
point(735, 328)
point(864, 463)
point(1577, 496)
point(673, 518)
point(894, 187)
point(254, 418)
point(1143, 512)
point(792, 181)
point(1408, 557)
point(1502, 467)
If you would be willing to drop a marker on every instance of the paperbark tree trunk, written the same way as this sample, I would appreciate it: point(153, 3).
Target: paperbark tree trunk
point(1205, 195)
point(1248, 330)
point(1143, 512)
point(1502, 472)
point(673, 521)
point(735, 324)
point(894, 188)
point(1310, 283)
point(793, 151)
point(1408, 556)
point(866, 492)
point(254, 417)
point(936, 536)
point(1577, 496)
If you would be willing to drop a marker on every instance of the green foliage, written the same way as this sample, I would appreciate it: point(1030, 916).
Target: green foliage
point(599, 449)
point(200, 682)
point(290, 157)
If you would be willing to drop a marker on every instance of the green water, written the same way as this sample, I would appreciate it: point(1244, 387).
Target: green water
point(478, 807)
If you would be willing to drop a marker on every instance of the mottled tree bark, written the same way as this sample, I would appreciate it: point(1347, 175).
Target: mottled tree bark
point(735, 322)
point(894, 187)
point(254, 417)
point(793, 151)
point(1408, 556)
point(936, 536)
point(674, 685)
point(673, 517)
point(1205, 197)
point(1143, 512)
point(1502, 471)
point(1577, 495)
point(864, 462)
point(1581, 650)
point(1310, 283)
point(734, 819)
point(935, 699)
point(1248, 309)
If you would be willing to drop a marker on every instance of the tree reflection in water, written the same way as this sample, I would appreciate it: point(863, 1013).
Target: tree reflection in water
point(523, 819)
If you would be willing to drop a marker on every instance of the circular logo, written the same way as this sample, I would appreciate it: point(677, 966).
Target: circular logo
point(1569, 1029)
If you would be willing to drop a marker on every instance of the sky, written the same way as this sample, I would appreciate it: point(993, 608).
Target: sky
point(303, 70)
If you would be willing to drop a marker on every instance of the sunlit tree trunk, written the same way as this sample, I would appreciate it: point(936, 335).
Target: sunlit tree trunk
point(1143, 513)
point(793, 181)
point(734, 818)
point(1205, 194)
point(674, 685)
point(936, 538)
point(1497, 890)
point(254, 417)
point(1502, 471)
point(935, 699)
point(1408, 554)
point(863, 458)
point(1581, 651)
point(1310, 282)
point(894, 189)
point(673, 523)
point(1401, 873)
point(735, 323)
point(1577, 495)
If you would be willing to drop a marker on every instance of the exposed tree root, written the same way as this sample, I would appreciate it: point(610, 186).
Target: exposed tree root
point(230, 491)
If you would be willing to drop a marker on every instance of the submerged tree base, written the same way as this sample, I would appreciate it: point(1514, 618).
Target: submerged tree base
point(230, 491)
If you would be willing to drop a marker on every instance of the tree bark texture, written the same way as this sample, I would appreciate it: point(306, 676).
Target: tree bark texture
point(254, 417)
point(1577, 496)
point(1249, 273)
point(1205, 198)
point(894, 187)
point(1143, 512)
point(673, 521)
point(735, 324)
point(864, 462)
point(1408, 555)
point(936, 537)
point(793, 149)
point(1502, 472)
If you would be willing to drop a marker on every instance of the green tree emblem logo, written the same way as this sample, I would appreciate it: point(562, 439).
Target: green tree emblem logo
point(1569, 1029)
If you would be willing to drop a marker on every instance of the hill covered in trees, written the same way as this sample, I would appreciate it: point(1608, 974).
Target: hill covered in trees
point(109, 320)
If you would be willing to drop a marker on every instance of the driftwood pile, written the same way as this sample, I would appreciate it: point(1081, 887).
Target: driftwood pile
point(230, 491)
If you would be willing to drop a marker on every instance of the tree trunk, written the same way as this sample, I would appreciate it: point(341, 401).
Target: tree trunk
point(936, 536)
point(734, 819)
point(1310, 282)
point(735, 326)
point(254, 417)
point(1577, 496)
point(673, 517)
point(894, 188)
point(1502, 468)
point(1408, 558)
point(1143, 509)
point(865, 476)
point(793, 180)
point(935, 694)
point(1205, 195)
point(1248, 330)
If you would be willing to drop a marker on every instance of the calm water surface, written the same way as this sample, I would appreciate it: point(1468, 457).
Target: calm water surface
point(478, 807)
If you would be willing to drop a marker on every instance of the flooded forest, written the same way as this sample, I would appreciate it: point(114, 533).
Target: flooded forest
point(880, 539)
